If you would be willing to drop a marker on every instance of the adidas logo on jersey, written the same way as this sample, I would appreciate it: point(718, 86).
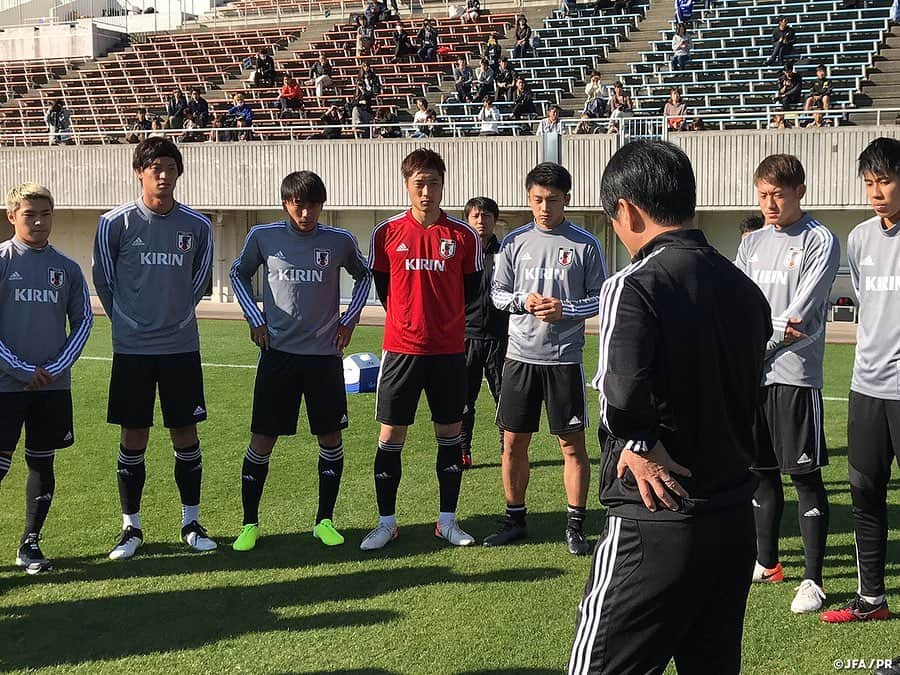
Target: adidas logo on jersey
point(753, 258)
point(15, 276)
point(803, 459)
point(138, 242)
point(574, 421)
point(68, 436)
point(525, 256)
point(867, 262)
point(812, 513)
point(279, 255)
point(199, 410)
point(402, 248)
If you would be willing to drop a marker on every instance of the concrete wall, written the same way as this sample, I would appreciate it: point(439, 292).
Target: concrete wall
point(52, 41)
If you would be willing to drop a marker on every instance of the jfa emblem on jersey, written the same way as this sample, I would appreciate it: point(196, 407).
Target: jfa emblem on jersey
point(566, 256)
point(448, 248)
point(793, 258)
point(56, 277)
point(185, 241)
point(323, 257)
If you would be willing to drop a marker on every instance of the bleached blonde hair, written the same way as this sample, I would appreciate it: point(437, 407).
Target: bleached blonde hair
point(26, 191)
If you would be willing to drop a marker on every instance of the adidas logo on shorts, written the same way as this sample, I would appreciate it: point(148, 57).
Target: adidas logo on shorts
point(803, 459)
point(15, 276)
point(574, 421)
point(199, 410)
point(344, 419)
point(68, 436)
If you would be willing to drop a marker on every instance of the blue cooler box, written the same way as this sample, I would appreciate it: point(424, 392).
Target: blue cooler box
point(361, 373)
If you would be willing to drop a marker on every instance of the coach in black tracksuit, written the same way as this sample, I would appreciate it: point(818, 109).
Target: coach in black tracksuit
point(487, 327)
point(682, 338)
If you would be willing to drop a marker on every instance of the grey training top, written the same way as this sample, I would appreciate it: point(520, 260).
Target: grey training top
point(565, 263)
point(39, 290)
point(795, 267)
point(302, 284)
point(150, 271)
point(874, 256)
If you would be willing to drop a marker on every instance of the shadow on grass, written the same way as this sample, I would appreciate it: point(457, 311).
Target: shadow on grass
point(284, 551)
point(358, 671)
point(144, 623)
point(840, 519)
point(496, 464)
point(512, 669)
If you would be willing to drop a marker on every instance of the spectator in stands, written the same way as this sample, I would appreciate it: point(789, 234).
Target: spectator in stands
point(697, 124)
point(240, 112)
point(140, 127)
point(462, 80)
point(386, 118)
point(402, 43)
point(600, 5)
point(290, 97)
point(333, 120)
point(428, 41)
point(492, 52)
point(156, 129)
point(779, 122)
point(523, 101)
point(217, 135)
point(751, 224)
point(365, 37)
point(489, 118)
point(551, 124)
point(595, 96)
point(368, 83)
point(820, 92)
point(483, 84)
point(790, 87)
point(568, 7)
point(522, 50)
point(432, 127)
point(505, 81)
point(263, 73)
point(681, 48)
point(242, 129)
point(472, 11)
point(190, 134)
point(675, 111)
point(419, 118)
point(684, 12)
point(320, 76)
point(818, 121)
point(361, 114)
point(59, 121)
point(175, 107)
point(613, 128)
point(199, 107)
point(783, 39)
point(620, 103)
point(373, 13)
point(585, 126)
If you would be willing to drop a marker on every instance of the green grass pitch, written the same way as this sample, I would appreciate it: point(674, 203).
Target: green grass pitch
point(293, 606)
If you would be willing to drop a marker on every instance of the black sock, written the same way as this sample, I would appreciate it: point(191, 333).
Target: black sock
point(5, 463)
point(575, 515)
point(132, 472)
point(331, 466)
point(253, 480)
point(189, 473)
point(813, 512)
point(768, 502)
point(38, 489)
point(516, 513)
point(388, 471)
point(449, 471)
point(468, 427)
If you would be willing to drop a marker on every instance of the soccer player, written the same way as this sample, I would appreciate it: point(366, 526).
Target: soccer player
point(426, 266)
point(40, 289)
point(301, 334)
point(793, 260)
point(873, 430)
point(548, 275)
point(487, 327)
point(152, 262)
point(682, 340)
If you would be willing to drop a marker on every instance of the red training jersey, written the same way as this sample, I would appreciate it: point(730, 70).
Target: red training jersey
point(426, 306)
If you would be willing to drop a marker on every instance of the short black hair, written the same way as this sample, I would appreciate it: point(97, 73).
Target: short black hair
point(549, 175)
point(881, 158)
point(151, 149)
point(751, 224)
point(485, 204)
point(303, 187)
point(423, 159)
point(655, 176)
point(781, 170)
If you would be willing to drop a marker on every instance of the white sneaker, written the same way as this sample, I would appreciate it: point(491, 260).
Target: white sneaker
point(131, 541)
point(380, 537)
point(809, 597)
point(453, 533)
point(194, 535)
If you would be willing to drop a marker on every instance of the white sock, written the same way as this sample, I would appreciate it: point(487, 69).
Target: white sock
point(189, 514)
point(390, 521)
point(873, 599)
point(131, 520)
point(446, 517)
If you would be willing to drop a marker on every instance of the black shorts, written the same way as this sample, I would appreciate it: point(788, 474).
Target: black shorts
point(403, 377)
point(132, 390)
point(283, 379)
point(560, 388)
point(46, 415)
point(788, 432)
